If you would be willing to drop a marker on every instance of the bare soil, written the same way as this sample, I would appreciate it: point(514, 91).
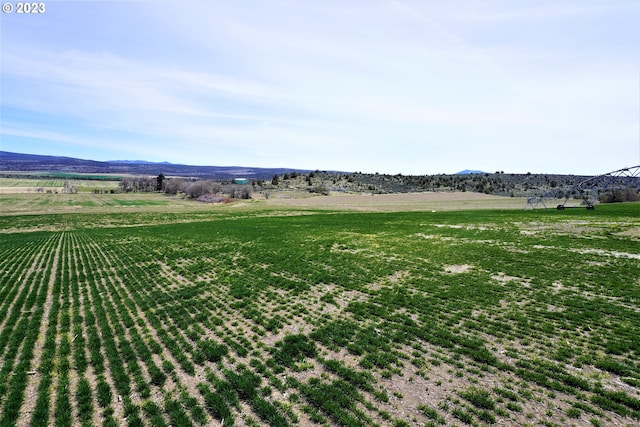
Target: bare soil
point(400, 201)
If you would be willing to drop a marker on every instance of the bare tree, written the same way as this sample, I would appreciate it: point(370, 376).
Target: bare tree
point(175, 185)
point(198, 188)
point(138, 183)
point(216, 187)
point(70, 187)
point(232, 190)
point(246, 191)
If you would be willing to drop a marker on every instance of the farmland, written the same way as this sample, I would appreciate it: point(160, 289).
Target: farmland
point(267, 315)
point(24, 182)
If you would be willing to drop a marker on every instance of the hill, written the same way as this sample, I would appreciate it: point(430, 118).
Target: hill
point(470, 171)
point(37, 163)
point(500, 184)
point(289, 179)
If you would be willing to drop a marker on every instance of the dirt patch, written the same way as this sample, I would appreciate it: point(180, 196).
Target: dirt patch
point(602, 252)
point(572, 227)
point(432, 201)
point(389, 280)
point(505, 278)
point(633, 232)
point(457, 269)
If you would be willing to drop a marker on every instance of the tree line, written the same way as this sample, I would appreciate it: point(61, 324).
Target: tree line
point(323, 182)
point(191, 188)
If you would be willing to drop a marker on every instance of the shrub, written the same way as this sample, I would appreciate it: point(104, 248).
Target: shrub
point(103, 393)
point(198, 188)
point(573, 413)
point(479, 398)
point(617, 196)
point(462, 415)
point(294, 348)
point(212, 351)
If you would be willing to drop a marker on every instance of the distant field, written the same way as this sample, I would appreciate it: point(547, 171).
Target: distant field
point(147, 310)
point(31, 202)
point(61, 175)
point(85, 202)
point(30, 183)
point(51, 184)
point(400, 202)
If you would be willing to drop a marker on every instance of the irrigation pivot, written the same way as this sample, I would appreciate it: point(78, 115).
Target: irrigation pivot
point(589, 189)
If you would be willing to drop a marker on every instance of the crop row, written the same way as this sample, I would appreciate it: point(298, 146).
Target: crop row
point(346, 319)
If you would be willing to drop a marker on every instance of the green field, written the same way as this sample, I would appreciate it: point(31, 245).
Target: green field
point(164, 315)
point(31, 182)
point(25, 203)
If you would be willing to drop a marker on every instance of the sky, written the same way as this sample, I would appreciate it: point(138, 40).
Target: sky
point(408, 86)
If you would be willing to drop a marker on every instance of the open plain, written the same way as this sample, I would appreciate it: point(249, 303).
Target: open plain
point(402, 310)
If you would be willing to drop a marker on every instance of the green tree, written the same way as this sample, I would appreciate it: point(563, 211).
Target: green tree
point(160, 182)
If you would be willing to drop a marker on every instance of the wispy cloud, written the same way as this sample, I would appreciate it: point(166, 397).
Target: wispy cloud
point(399, 86)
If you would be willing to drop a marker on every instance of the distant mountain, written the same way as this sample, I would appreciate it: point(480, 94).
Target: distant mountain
point(470, 172)
point(503, 184)
point(138, 162)
point(39, 163)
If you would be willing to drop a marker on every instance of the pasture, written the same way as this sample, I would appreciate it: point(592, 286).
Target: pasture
point(264, 314)
point(31, 182)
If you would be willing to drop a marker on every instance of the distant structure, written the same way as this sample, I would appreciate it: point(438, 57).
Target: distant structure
point(241, 181)
point(588, 190)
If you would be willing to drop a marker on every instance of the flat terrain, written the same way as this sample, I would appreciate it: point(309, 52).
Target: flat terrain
point(28, 184)
point(400, 202)
point(38, 203)
point(403, 310)
point(34, 203)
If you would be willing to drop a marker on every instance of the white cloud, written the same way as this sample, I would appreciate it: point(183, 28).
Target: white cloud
point(403, 86)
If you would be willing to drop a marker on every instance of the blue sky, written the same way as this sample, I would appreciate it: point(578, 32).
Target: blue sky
point(412, 87)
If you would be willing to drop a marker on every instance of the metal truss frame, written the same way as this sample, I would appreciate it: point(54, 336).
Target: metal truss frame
point(588, 190)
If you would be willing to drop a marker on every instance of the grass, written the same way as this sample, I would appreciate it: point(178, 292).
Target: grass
point(186, 315)
point(40, 184)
